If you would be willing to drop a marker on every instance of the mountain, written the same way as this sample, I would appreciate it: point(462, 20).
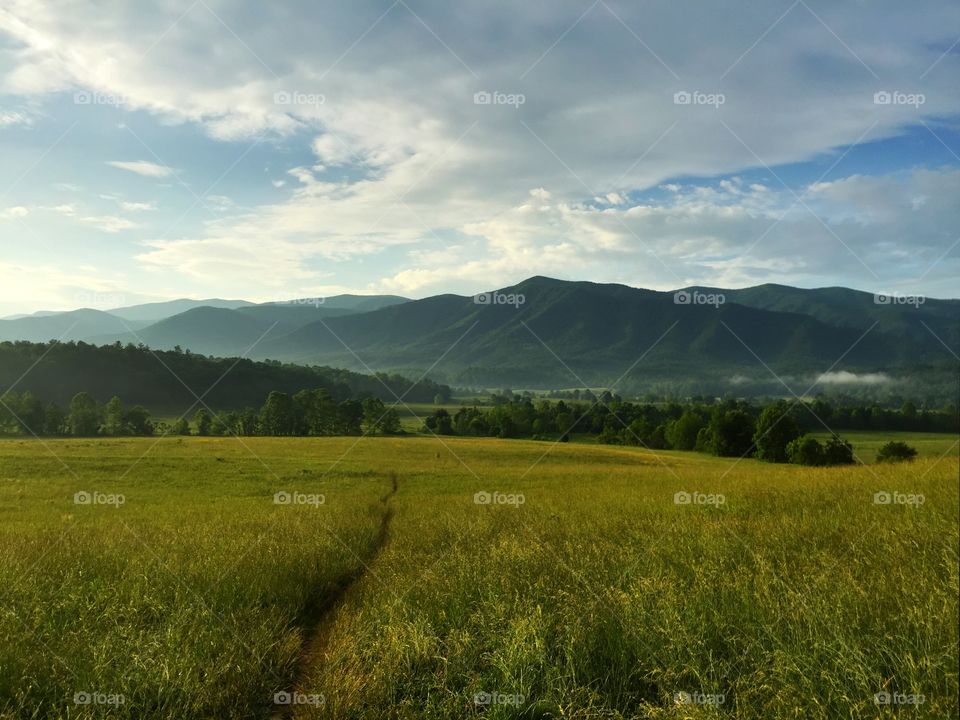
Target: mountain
point(546, 333)
point(351, 303)
point(73, 325)
point(154, 312)
point(567, 334)
point(213, 327)
point(226, 332)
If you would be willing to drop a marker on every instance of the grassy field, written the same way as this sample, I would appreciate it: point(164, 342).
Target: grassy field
point(508, 579)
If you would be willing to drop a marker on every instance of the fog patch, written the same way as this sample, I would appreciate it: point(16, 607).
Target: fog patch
point(844, 377)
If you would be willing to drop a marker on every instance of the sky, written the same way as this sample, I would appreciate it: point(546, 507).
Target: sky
point(270, 151)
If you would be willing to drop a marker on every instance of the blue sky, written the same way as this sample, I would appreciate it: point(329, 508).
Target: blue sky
point(201, 149)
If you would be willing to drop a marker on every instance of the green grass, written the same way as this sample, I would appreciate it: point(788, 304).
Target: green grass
point(866, 443)
point(598, 596)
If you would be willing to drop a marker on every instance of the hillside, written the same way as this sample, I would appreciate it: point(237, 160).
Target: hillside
point(170, 381)
point(566, 332)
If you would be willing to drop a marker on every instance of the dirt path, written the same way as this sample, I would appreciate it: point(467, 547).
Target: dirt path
point(321, 613)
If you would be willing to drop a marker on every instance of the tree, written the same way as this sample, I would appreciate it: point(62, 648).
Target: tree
point(731, 432)
point(113, 417)
point(682, 433)
point(349, 418)
point(838, 452)
point(896, 451)
point(776, 428)
point(441, 423)
point(805, 450)
point(180, 427)
point(84, 417)
point(277, 416)
point(137, 421)
point(31, 414)
point(373, 412)
point(391, 422)
point(203, 421)
point(54, 419)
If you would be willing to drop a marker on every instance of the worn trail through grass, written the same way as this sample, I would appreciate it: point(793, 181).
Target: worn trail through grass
point(320, 616)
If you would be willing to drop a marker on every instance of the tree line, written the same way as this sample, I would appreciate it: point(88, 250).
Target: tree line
point(307, 412)
point(777, 432)
point(170, 380)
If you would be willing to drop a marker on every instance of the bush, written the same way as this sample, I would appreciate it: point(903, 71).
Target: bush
point(896, 451)
point(838, 452)
point(806, 450)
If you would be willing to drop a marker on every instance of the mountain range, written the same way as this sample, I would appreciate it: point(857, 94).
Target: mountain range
point(547, 333)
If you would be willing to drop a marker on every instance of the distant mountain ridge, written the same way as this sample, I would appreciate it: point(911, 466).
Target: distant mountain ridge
point(547, 333)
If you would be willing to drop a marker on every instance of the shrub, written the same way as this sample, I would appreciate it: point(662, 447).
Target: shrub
point(806, 450)
point(838, 451)
point(896, 451)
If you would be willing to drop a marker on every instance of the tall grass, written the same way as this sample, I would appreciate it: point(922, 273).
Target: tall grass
point(598, 596)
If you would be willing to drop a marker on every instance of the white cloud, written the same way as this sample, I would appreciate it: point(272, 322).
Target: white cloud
point(137, 206)
point(844, 377)
point(142, 167)
point(10, 118)
point(109, 223)
point(398, 161)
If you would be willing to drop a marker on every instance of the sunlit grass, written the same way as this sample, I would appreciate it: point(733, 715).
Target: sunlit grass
point(596, 596)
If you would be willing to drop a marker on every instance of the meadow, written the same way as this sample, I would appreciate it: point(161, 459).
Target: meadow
point(502, 578)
